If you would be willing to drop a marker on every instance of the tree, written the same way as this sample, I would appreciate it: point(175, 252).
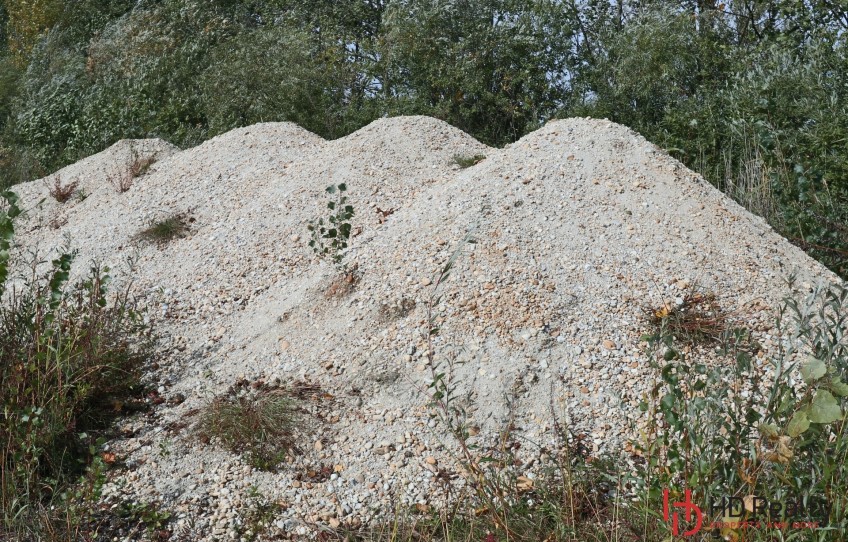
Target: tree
point(494, 68)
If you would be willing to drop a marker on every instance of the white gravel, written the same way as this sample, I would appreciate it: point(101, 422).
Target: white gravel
point(581, 225)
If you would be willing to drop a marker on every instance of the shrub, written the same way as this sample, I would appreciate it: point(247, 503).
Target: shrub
point(770, 428)
point(70, 354)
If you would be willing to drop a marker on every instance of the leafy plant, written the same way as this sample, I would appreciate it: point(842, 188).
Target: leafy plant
point(771, 428)
point(330, 236)
point(70, 352)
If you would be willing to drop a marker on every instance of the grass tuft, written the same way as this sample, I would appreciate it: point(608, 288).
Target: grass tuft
point(467, 161)
point(263, 424)
point(166, 230)
point(70, 353)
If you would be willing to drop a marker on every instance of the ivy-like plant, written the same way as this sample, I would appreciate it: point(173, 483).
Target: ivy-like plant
point(330, 236)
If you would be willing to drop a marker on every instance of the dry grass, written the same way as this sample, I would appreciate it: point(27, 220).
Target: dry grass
point(264, 424)
point(138, 166)
point(60, 192)
point(698, 319)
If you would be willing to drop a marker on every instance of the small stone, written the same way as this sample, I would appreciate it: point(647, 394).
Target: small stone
point(318, 446)
point(430, 460)
point(284, 345)
point(295, 238)
point(609, 345)
point(425, 282)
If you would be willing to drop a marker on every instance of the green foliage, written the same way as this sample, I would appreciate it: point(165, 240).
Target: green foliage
point(782, 438)
point(489, 67)
point(69, 354)
point(467, 161)
point(288, 82)
point(754, 96)
point(330, 237)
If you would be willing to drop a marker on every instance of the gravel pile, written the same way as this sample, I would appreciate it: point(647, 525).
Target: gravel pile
point(581, 227)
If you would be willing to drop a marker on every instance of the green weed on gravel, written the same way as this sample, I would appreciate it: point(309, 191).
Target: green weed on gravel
point(70, 353)
point(264, 424)
point(465, 162)
point(163, 231)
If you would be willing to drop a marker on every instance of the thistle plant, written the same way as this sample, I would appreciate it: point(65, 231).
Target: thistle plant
point(330, 236)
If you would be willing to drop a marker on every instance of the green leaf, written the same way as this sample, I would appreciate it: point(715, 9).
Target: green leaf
point(331, 189)
point(839, 387)
point(343, 187)
point(813, 370)
point(825, 409)
point(769, 430)
point(798, 424)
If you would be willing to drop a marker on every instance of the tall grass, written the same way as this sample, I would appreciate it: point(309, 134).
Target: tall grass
point(71, 355)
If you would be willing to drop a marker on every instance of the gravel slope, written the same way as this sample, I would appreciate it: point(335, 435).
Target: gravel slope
point(581, 226)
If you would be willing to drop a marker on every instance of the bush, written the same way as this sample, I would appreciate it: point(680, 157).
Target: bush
point(288, 82)
point(70, 355)
point(767, 428)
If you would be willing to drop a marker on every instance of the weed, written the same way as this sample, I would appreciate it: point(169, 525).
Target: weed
point(696, 318)
point(330, 237)
point(140, 166)
point(62, 193)
point(467, 161)
point(136, 167)
point(264, 424)
point(259, 515)
point(69, 353)
point(145, 516)
point(767, 428)
point(163, 231)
